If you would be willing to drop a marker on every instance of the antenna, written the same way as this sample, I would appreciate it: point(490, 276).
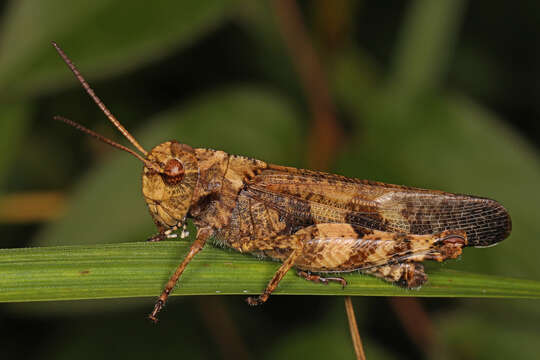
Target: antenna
point(99, 103)
point(102, 138)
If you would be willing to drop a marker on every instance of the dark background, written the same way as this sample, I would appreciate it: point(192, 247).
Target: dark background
point(437, 94)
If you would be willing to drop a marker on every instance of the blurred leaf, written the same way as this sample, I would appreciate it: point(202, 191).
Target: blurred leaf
point(13, 121)
point(126, 335)
point(426, 41)
point(107, 205)
point(354, 63)
point(270, 54)
point(469, 335)
point(329, 338)
point(141, 269)
point(101, 36)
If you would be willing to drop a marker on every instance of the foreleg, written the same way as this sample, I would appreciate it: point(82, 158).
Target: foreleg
point(202, 235)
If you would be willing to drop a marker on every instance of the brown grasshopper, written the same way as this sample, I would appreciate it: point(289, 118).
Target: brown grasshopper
point(313, 221)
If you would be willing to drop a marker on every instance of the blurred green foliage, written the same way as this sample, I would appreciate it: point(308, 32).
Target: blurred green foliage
point(419, 91)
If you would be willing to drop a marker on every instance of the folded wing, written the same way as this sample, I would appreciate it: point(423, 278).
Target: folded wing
point(311, 197)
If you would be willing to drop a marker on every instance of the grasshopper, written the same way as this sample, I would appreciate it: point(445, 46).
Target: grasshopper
point(313, 221)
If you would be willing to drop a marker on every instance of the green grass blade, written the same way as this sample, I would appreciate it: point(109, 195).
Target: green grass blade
point(141, 269)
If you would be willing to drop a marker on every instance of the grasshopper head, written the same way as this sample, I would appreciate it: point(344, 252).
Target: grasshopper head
point(168, 182)
point(170, 171)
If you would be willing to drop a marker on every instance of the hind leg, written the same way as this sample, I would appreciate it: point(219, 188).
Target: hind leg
point(342, 247)
point(409, 275)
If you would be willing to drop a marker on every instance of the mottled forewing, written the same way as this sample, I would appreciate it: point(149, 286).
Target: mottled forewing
point(310, 197)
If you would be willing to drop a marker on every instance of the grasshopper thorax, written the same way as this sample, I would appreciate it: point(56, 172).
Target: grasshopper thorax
point(169, 184)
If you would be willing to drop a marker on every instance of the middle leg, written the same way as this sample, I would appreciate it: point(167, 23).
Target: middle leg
point(319, 279)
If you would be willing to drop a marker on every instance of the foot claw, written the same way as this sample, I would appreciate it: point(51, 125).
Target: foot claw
point(156, 237)
point(157, 308)
point(168, 234)
point(342, 281)
point(255, 300)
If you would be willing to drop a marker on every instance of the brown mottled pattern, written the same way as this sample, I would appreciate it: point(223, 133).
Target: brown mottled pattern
point(220, 204)
point(311, 220)
point(250, 220)
point(169, 202)
point(342, 247)
point(321, 198)
point(409, 275)
point(219, 184)
point(212, 167)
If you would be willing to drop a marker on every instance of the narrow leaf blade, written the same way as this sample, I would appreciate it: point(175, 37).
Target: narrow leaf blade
point(141, 269)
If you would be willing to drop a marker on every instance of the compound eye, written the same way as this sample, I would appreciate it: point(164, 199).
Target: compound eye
point(173, 171)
